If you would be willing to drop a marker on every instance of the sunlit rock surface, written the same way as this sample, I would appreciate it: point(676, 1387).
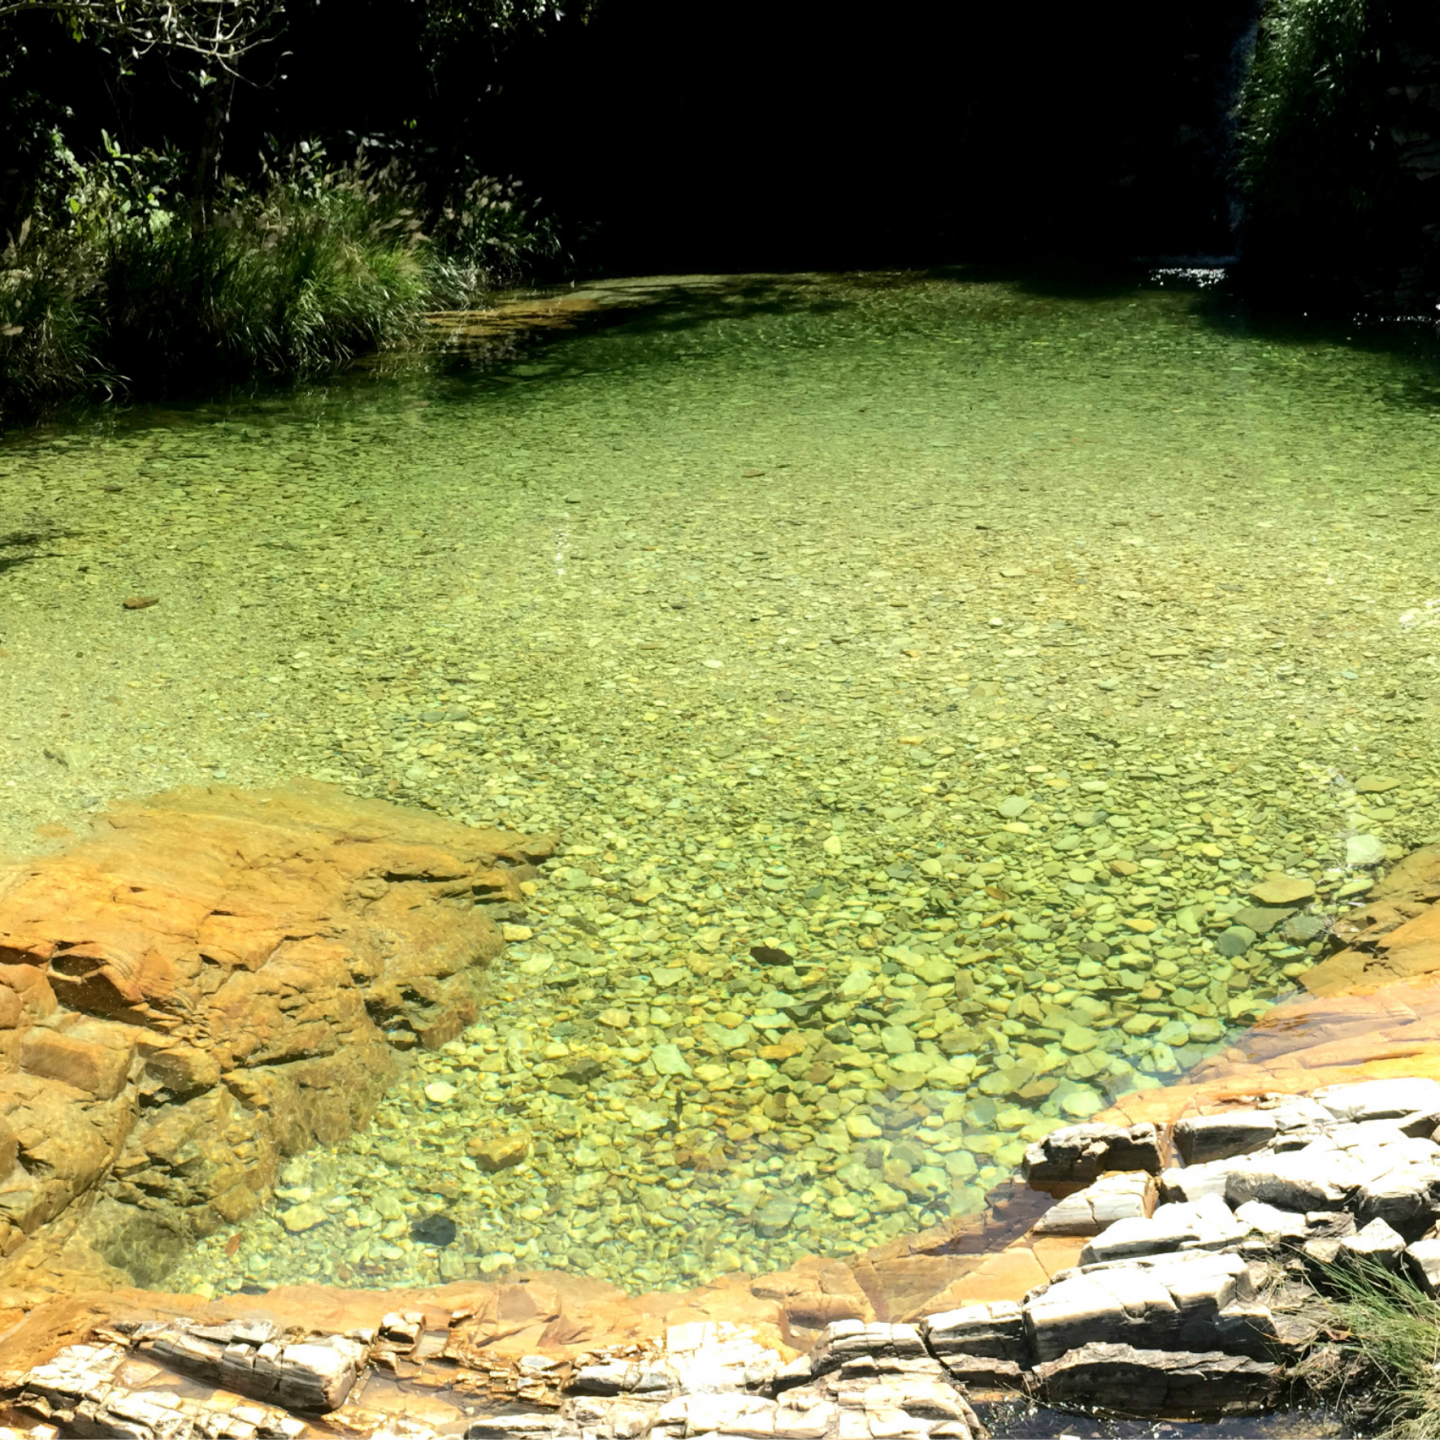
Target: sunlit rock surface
point(212, 981)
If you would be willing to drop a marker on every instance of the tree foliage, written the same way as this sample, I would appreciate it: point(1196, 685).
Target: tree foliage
point(217, 34)
point(1310, 105)
point(1336, 128)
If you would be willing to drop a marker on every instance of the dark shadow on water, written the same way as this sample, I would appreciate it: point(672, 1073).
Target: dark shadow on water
point(1232, 310)
point(1057, 280)
point(670, 306)
point(1411, 339)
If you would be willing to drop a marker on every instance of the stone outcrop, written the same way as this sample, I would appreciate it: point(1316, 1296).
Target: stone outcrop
point(1162, 1313)
point(1180, 1385)
point(81, 1391)
point(873, 1382)
point(1121, 1196)
point(1080, 1154)
point(1185, 1301)
point(209, 982)
point(252, 1358)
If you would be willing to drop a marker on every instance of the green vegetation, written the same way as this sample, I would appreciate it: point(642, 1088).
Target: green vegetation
point(151, 242)
point(114, 285)
point(1396, 1330)
point(1305, 103)
point(1335, 137)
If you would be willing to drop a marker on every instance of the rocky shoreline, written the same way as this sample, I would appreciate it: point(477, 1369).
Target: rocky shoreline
point(1172, 1257)
point(1205, 1254)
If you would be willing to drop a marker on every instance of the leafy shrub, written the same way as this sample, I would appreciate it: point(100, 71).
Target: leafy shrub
point(286, 281)
point(119, 283)
point(49, 334)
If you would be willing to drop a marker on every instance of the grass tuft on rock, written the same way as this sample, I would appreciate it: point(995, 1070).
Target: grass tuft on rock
point(1396, 1330)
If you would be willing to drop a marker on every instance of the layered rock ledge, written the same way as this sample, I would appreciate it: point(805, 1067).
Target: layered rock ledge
point(1198, 1290)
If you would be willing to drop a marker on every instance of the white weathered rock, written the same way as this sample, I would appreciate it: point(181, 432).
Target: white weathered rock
point(1085, 1152)
point(994, 1331)
point(521, 1425)
point(1298, 1180)
point(313, 1375)
point(1381, 1099)
point(712, 1355)
point(1298, 1113)
point(617, 1377)
point(77, 1388)
point(1124, 1195)
point(74, 1372)
point(750, 1415)
point(402, 1329)
point(867, 1398)
point(1407, 1198)
point(981, 1372)
point(1361, 1135)
point(1131, 1381)
point(1268, 1220)
point(1376, 1243)
point(1422, 1261)
point(1390, 1175)
point(843, 1340)
point(1218, 1137)
point(1206, 1224)
point(1192, 1300)
point(1184, 1185)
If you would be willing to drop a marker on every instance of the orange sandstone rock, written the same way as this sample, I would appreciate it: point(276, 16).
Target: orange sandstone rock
point(214, 979)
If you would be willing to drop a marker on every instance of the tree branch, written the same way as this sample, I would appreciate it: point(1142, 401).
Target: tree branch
point(219, 33)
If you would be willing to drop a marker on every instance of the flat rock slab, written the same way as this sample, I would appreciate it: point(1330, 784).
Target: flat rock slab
point(1218, 1137)
point(1188, 1300)
point(212, 979)
point(1125, 1195)
point(993, 1331)
point(1277, 890)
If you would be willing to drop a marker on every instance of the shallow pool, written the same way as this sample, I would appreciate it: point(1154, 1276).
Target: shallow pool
point(923, 671)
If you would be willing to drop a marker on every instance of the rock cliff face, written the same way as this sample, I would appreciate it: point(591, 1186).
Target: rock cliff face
point(212, 981)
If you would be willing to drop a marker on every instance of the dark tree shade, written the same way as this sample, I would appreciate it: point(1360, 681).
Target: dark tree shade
point(756, 134)
point(1341, 152)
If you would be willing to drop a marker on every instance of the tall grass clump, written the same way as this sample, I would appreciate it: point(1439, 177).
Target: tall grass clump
point(49, 339)
point(287, 280)
point(119, 283)
point(1309, 107)
point(1396, 1331)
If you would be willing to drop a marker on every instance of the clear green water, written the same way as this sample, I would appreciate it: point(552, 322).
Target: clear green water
point(979, 648)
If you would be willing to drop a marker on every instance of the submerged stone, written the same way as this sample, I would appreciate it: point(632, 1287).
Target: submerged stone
point(1236, 940)
point(1364, 850)
point(1278, 890)
point(435, 1229)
